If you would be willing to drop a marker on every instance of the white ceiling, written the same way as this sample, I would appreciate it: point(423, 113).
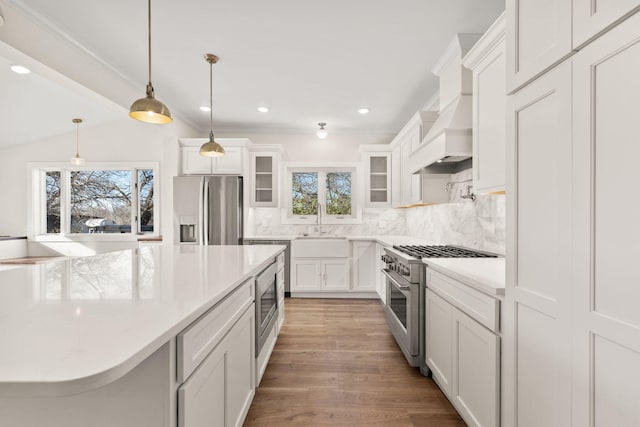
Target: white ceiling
point(308, 61)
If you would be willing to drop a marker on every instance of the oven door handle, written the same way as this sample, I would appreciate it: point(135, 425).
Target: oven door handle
point(394, 280)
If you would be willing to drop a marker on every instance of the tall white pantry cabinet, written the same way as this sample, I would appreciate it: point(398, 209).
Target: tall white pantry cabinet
point(572, 324)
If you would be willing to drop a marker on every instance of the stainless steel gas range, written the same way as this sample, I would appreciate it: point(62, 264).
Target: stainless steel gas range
point(405, 290)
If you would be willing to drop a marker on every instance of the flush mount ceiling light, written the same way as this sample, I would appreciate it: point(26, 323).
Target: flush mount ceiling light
point(322, 132)
point(263, 109)
point(211, 148)
point(77, 160)
point(363, 110)
point(205, 108)
point(19, 69)
point(149, 109)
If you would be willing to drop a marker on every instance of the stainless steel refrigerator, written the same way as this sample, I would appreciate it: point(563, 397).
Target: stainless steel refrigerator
point(207, 210)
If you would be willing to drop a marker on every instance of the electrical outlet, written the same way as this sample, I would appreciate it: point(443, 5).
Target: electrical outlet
point(264, 222)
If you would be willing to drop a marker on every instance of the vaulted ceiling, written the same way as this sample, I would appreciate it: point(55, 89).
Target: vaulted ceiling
point(308, 61)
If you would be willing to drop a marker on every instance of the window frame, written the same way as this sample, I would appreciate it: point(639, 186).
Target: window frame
point(287, 216)
point(37, 224)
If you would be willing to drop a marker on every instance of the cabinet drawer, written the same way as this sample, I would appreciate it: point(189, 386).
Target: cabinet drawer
point(202, 336)
point(481, 307)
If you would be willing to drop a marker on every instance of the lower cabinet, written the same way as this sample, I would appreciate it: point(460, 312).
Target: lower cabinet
point(320, 275)
point(464, 358)
point(220, 390)
point(364, 265)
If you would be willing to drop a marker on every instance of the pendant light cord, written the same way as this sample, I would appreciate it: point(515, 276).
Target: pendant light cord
point(77, 139)
point(211, 97)
point(149, 16)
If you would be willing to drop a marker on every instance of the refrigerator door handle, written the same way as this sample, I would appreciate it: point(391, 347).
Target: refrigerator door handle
point(201, 211)
point(206, 211)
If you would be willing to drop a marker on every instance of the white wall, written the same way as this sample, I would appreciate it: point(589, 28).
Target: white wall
point(124, 140)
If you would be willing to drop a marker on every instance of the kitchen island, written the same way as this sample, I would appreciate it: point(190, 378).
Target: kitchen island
point(96, 340)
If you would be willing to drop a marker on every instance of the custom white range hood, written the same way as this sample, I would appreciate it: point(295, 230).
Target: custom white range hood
point(448, 141)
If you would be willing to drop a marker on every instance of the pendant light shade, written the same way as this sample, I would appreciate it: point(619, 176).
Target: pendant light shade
point(149, 109)
point(77, 160)
point(211, 148)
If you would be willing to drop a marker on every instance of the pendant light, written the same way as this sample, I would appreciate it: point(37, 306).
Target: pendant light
point(149, 109)
point(322, 132)
point(211, 148)
point(77, 160)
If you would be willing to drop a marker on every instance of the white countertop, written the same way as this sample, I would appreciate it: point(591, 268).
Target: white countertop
point(484, 274)
point(73, 325)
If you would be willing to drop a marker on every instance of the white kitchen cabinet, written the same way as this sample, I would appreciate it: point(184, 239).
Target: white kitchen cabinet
point(364, 266)
point(487, 62)
point(538, 36)
point(411, 184)
point(396, 173)
point(232, 163)
point(464, 358)
point(265, 178)
point(538, 299)
point(591, 18)
point(195, 164)
point(381, 279)
point(320, 275)
point(220, 391)
point(438, 333)
point(377, 172)
point(604, 220)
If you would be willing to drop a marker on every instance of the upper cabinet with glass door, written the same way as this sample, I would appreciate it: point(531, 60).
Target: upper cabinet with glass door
point(377, 166)
point(264, 178)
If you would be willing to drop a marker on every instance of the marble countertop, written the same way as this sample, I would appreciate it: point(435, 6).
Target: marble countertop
point(76, 324)
point(484, 274)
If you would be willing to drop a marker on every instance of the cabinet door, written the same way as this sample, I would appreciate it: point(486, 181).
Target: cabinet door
point(377, 180)
point(241, 364)
point(537, 336)
point(606, 358)
point(336, 275)
point(230, 163)
point(396, 177)
point(201, 399)
point(381, 279)
point(476, 372)
point(489, 125)
point(220, 391)
point(264, 179)
point(538, 36)
point(411, 191)
point(306, 275)
point(591, 17)
point(195, 164)
point(438, 332)
point(364, 266)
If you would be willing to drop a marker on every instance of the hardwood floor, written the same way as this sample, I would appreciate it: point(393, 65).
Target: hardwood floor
point(336, 363)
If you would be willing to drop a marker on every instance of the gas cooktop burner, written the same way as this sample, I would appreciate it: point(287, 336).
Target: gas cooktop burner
point(442, 251)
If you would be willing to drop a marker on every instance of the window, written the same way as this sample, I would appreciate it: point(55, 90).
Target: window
point(329, 190)
point(94, 200)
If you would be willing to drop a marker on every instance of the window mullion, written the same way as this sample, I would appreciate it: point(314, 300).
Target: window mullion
point(322, 191)
point(65, 201)
point(135, 207)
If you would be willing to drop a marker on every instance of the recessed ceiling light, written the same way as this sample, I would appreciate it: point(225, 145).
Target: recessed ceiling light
point(20, 69)
point(363, 110)
point(205, 108)
point(263, 109)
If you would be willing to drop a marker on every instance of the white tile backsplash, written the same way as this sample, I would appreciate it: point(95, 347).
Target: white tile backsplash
point(478, 224)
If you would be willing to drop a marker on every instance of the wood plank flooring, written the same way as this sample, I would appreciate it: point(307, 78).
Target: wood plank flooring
point(336, 364)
